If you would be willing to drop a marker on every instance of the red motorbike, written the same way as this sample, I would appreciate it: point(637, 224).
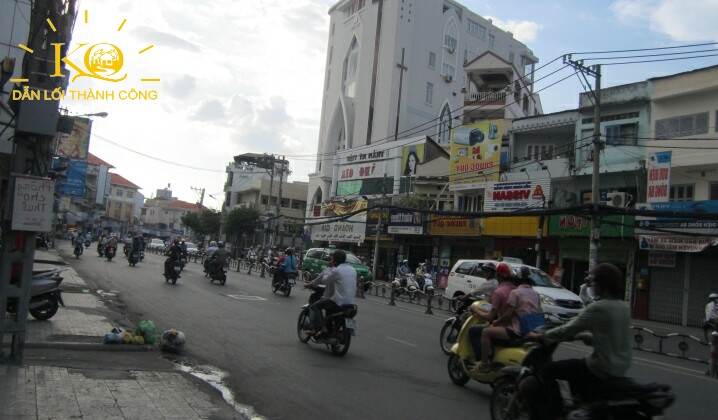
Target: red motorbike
point(110, 252)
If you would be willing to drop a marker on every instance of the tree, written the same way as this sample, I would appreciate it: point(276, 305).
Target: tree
point(420, 202)
point(241, 221)
point(203, 223)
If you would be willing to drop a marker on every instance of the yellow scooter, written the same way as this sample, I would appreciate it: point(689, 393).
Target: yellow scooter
point(462, 359)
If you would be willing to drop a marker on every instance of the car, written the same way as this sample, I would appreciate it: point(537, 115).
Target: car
point(316, 260)
point(191, 248)
point(555, 299)
point(155, 244)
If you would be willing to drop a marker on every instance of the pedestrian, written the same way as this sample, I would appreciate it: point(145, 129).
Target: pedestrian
point(586, 291)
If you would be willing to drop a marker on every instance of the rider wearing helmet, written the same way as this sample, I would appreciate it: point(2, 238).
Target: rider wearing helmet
point(287, 264)
point(220, 256)
point(499, 305)
point(174, 253)
point(209, 253)
point(403, 269)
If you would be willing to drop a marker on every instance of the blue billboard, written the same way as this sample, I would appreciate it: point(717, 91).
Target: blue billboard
point(74, 183)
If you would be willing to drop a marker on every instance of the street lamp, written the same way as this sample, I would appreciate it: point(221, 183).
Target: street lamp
point(96, 114)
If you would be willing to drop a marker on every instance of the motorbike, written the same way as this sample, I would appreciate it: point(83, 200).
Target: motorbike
point(87, 244)
point(410, 286)
point(183, 260)
point(452, 326)
point(219, 275)
point(283, 282)
point(110, 252)
point(141, 255)
point(617, 398)
point(78, 250)
point(45, 294)
point(174, 273)
point(126, 248)
point(133, 258)
point(341, 325)
point(101, 249)
point(462, 359)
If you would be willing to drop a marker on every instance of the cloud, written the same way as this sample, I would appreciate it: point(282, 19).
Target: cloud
point(182, 87)
point(264, 126)
point(210, 110)
point(672, 18)
point(164, 38)
point(523, 30)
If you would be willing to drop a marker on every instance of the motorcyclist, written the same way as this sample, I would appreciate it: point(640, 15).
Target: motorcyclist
point(78, 247)
point(711, 321)
point(219, 257)
point(342, 282)
point(608, 320)
point(209, 253)
point(135, 247)
point(403, 271)
point(499, 305)
point(486, 288)
point(286, 265)
point(174, 254)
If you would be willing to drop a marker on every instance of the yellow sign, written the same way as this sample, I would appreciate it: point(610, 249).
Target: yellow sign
point(102, 61)
point(454, 226)
point(475, 154)
point(411, 157)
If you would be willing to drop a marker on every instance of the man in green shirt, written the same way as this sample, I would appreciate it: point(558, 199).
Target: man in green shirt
point(608, 320)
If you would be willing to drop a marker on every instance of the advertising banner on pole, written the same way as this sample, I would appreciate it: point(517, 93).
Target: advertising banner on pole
point(74, 183)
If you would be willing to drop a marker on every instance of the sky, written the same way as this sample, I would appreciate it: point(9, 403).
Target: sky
point(239, 76)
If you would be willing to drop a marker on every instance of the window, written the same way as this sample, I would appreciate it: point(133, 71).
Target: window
point(683, 126)
point(491, 41)
point(130, 194)
point(429, 93)
point(118, 192)
point(357, 6)
point(298, 204)
point(681, 192)
point(432, 60)
point(713, 191)
point(539, 152)
point(470, 203)
point(444, 125)
point(465, 267)
point(447, 70)
point(118, 206)
point(623, 134)
point(476, 29)
point(350, 69)
point(450, 34)
point(526, 103)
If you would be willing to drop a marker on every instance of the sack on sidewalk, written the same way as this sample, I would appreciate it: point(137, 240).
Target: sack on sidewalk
point(172, 341)
point(147, 330)
point(114, 336)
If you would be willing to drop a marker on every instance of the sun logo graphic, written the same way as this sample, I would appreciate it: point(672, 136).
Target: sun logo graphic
point(103, 61)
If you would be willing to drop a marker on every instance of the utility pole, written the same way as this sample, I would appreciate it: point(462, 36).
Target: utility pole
point(201, 196)
point(595, 237)
point(402, 68)
point(282, 171)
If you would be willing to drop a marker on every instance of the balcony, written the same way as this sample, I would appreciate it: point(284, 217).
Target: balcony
point(484, 105)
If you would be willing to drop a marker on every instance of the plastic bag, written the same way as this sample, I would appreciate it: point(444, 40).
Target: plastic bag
point(172, 341)
point(147, 330)
point(114, 336)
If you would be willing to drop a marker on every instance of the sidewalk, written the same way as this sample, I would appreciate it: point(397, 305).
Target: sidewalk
point(68, 373)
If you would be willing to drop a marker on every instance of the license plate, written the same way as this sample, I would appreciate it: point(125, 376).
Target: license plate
point(224, 270)
point(351, 325)
point(291, 281)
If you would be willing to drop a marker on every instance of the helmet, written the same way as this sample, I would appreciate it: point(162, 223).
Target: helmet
point(405, 261)
point(489, 266)
point(213, 243)
point(503, 270)
point(220, 244)
point(713, 296)
point(289, 251)
point(176, 241)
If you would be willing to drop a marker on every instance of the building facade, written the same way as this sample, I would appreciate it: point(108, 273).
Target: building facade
point(120, 213)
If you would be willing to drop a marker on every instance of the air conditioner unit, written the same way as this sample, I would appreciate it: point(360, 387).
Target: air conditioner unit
point(616, 199)
point(448, 78)
point(452, 50)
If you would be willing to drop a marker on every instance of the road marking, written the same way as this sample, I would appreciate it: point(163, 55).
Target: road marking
point(245, 297)
point(401, 341)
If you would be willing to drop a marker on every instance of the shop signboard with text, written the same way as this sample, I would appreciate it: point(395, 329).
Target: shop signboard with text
point(405, 222)
point(531, 194)
point(565, 225)
point(444, 225)
point(475, 155)
point(658, 177)
point(649, 224)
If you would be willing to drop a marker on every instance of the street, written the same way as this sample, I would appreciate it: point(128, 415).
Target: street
point(394, 367)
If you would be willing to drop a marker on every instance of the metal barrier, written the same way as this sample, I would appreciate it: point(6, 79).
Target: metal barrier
point(674, 345)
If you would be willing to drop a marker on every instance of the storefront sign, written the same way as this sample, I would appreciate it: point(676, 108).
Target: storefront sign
point(517, 195)
point(406, 222)
point(350, 230)
point(647, 224)
point(675, 243)
point(454, 226)
point(659, 174)
point(32, 204)
point(661, 259)
point(475, 154)
point(571, 225)
point(366, 170)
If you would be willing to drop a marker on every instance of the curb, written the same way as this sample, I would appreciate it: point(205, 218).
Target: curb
point(90, 346)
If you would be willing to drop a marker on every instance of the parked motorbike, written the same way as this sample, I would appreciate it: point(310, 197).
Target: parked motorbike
point(341, 325)
point(411, 286)
point(462, 358)
point(617, 398)
point(283, 282)
point(45, 294)
point(78, 249)
point(110, 252)
point(174, 273)
point(452, 326)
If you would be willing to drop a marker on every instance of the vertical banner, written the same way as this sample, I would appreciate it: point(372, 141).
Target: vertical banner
point(76, 144)
point(74, 183)
point(659, 177)
point(475, 155)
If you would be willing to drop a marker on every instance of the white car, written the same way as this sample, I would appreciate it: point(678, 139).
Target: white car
point(466, 275)
point(191, 248)
point(156, 244)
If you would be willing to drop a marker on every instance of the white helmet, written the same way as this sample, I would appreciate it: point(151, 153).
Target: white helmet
point(213, 243)
point(713, 296)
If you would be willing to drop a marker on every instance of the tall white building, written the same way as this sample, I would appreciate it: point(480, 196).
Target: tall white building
point(398, 71)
